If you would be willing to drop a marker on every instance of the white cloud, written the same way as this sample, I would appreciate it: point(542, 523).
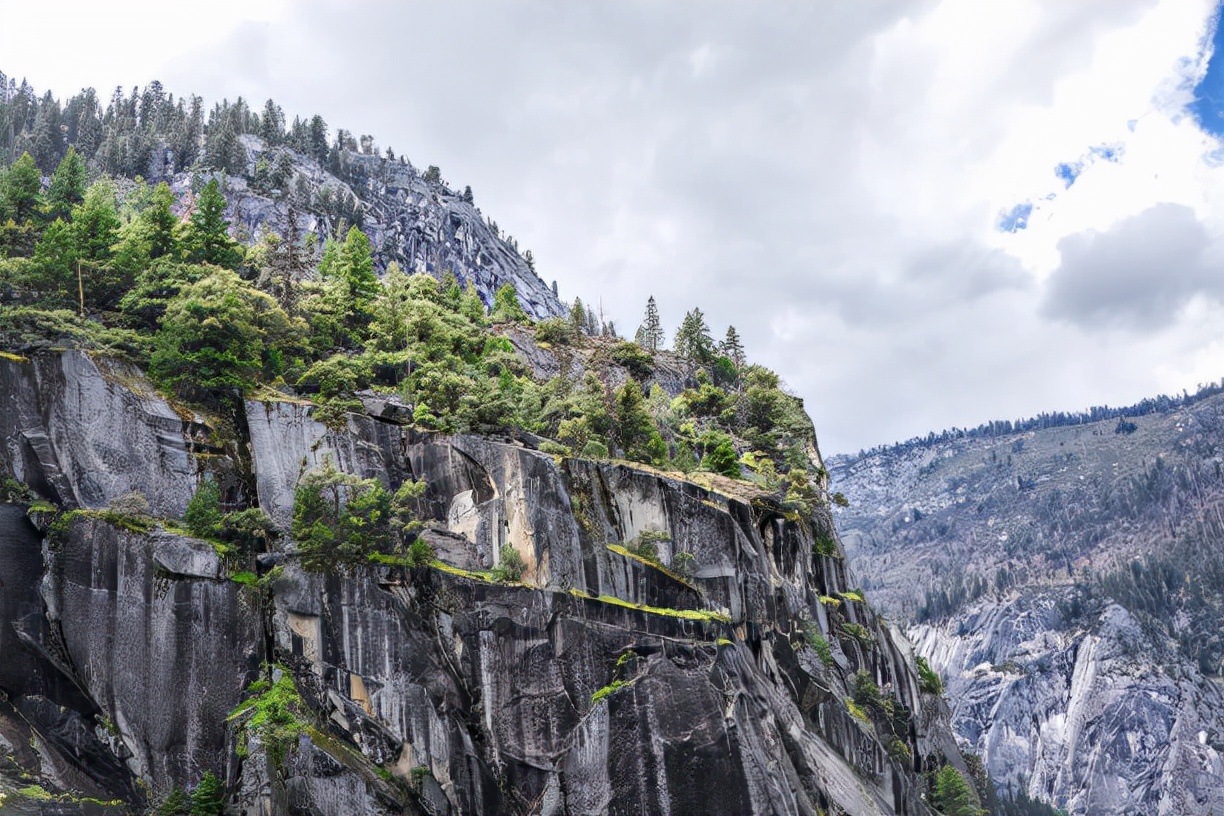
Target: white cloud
point(825, 176)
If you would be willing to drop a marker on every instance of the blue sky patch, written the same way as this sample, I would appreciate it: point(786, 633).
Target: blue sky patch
point(1208, 104)
point(1016, 219)
point(1110, 153)
point(1069, 172)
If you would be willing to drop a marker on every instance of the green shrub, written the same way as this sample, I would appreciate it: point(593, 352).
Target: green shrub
point(684, 563)
point(929, 680)
point(340, 520)
point(275, 711)
point(646, 544)
point(607, 690)
point(14, 491)
point(722, 459)
point(511, 566)
point(556, 330)
point(858, 632)
point(818, 642)
point(594, 449)
point(203, 517)
point(634, 359)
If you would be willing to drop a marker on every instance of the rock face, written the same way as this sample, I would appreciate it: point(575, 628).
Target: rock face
point(601, 683)
point(1066, 583)
point(421, 225)
point(83, 432)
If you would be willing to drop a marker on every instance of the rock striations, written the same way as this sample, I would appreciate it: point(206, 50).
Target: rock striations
point(418, 223)
point(135, 659)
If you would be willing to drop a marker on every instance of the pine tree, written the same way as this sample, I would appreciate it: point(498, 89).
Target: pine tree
point(506, 305)
point(693, 338)
point(650, 333)
point(20, 187)
point(285, 265)
point(207, 235)
point(953, 796)
point(357, 267)
point(732, 347)
point(272, 124)
point(224, 151)
point(95, 222)
point(67, 185)
point(633, 429)
point(162, 222)
point(208, 798)
point(578, 315)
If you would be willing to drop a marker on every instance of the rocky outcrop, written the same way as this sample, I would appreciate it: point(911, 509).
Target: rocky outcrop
point(423, 226)
point(606, 681)
point(1065, 582)
point(83, 432)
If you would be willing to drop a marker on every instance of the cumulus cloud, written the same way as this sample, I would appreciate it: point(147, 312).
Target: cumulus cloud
point(1138, 274)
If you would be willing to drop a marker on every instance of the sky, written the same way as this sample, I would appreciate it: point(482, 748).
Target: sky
point(922, 214)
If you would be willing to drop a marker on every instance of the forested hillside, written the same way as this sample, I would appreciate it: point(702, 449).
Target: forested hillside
point(1067, 578)
point(278, 178)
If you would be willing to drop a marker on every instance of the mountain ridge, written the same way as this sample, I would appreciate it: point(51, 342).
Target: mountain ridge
point(1065, 580)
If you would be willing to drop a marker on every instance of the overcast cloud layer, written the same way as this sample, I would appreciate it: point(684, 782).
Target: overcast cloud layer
point(831, 178)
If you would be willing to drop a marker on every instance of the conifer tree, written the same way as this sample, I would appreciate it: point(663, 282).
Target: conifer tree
point(693, 338)
point(272, 124)
point(207, 237)
point(732, 347)
point(953, 796)
point(578, 315)
point(20, 186)
point(67, 185)
point(506, 305)
point(357, 267)
point(286, 265)
point(650, 333)
point(160, 223)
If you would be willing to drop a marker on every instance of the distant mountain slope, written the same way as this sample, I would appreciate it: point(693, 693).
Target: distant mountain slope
point(1069, 583)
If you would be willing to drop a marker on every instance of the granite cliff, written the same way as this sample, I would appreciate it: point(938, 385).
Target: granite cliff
point(136, 658)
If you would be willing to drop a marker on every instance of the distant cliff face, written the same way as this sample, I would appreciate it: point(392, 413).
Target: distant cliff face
point(753, 680)
point(1067, 584)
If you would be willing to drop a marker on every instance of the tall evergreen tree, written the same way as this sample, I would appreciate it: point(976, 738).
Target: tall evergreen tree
point(272, 124)
point(693, 338)
point(20, 188)
point(224, 151)
point(650, 334)
point(634, 430)
point(578, 315)
point(67, 185)
point(953, 796)
point(286, 264)
point(207, 235)
point(160, 222)
point(317, 143)
point(356, 267)
point(732, 347)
